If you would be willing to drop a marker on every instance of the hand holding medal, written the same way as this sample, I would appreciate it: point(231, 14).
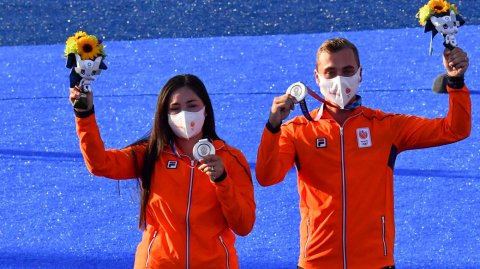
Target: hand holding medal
point(212, 165)
point(299, 92)
point(282, 105)
point(85, 55)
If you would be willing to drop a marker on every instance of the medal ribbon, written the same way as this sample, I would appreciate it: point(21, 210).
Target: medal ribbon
point(303, 104)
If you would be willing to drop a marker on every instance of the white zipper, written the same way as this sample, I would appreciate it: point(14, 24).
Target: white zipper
point(308, 236)
point(188, 212)
point(226, 250)
point(383, 237)
point(149, 247)
point(344, 224)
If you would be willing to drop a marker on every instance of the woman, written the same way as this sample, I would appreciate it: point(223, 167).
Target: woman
point(189, 208)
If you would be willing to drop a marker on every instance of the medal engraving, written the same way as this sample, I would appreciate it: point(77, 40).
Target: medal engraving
point(203, 148)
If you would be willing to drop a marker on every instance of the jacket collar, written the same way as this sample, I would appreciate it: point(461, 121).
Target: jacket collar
point(322, 113)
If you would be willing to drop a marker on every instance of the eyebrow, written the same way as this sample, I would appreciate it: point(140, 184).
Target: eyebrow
point(333, 68)
point(188, 102)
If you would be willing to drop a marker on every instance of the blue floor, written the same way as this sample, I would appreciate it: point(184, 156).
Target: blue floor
point(54, 214)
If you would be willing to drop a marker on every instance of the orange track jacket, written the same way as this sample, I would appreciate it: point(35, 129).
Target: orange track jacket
point(190, 218)
point(345, 176)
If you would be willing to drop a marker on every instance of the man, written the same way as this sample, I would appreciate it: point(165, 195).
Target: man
point(345, 159)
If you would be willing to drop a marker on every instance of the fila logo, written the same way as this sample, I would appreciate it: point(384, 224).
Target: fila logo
point(321, 142)
point(363, 137)
point(172, 164)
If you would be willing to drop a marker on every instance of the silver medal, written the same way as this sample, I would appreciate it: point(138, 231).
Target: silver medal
point(203, 148)
point(298, 91)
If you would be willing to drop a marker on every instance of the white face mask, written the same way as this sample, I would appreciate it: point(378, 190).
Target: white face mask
point(340, 90)
point(187, 124)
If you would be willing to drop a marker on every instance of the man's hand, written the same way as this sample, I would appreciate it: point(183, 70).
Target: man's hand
point(281, 109)
point(75, 94)
point(455, 61)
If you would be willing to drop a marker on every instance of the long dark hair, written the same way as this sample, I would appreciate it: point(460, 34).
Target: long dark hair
point(162, 135)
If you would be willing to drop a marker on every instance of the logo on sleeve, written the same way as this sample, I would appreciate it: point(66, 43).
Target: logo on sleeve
point(172, 164)
point(321, 142)
point(363, 137)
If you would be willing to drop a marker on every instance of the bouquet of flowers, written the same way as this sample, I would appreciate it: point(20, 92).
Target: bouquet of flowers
point(441, 16)
point(85, 55)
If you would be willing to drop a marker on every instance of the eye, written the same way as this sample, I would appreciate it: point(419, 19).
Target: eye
point(445, 26)
point(83, 72)
point(173, 111)
point(347, 73)
point(94, 72)
point(330, 74)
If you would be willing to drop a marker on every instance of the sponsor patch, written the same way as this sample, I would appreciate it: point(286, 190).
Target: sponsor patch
point(172, 164)
point(321, 142)
point(363, 137)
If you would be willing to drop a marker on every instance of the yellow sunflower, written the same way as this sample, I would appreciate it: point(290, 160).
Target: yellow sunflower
point(438, 6)
point(80, 34)
point(87, 47)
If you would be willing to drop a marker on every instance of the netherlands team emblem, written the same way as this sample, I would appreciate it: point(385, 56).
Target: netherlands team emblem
point(363, 137)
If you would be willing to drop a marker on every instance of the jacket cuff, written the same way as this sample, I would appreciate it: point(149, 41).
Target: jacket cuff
point(272, 129)
point(221, 178)
point(84, 114)
point(455, 82)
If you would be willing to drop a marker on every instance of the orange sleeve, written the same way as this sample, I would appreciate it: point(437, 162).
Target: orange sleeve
point(111, 163)
point(416, 132)
point(275, 157)
point(235, 193)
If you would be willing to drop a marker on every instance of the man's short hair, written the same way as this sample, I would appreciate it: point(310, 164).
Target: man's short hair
point(335, 45)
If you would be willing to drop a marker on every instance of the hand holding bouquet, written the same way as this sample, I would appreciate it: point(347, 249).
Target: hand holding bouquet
point(85, 55)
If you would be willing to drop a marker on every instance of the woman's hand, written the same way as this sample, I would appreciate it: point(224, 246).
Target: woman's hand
point(212, 165)
point(75, 95)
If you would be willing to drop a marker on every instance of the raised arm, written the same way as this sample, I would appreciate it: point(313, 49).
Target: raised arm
point(416, 132)
point(110, 163)
point(276, 153)
point(115, 164)
point(275, 157)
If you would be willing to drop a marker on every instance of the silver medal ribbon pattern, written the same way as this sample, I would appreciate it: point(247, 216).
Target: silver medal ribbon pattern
point(203, 148)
